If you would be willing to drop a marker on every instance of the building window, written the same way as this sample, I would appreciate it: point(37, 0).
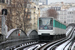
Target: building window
point(2, 1)
point(38, 8)
point(71, 20)
point(74, 20)
point(68, 20)
point(64, 21)
point(6, 1)
point(61, 17)
point(70, 12)
point(9, 1)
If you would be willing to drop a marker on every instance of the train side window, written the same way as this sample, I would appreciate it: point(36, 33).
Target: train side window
point(51, 22)
point(40, 22)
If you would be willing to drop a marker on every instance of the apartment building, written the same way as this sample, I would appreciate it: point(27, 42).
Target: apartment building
point(35, 14)
point(70, 15)
point(67, 16)
point(62, 14)
point(44, 2)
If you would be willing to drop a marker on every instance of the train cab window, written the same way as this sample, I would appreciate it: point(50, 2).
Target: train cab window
point(45, 23)
point(51, 22)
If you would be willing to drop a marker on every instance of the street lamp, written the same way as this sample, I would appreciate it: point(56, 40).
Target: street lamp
point(4, 27)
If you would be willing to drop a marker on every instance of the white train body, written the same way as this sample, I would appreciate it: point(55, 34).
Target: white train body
point(55, 31)
point(50, 27)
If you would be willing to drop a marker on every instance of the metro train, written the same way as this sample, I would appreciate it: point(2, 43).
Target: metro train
point(50, 28)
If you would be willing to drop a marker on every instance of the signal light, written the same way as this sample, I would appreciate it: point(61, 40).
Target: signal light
point(19, 34)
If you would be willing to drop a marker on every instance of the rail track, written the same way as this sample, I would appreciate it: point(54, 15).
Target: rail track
point(35, 45)
point(11, 44)
point(54, 45)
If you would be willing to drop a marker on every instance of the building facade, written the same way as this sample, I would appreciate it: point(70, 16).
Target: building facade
point(70, 15)
point(44, 2)
point(62, 16)
point(35, 14)
point(67, 16)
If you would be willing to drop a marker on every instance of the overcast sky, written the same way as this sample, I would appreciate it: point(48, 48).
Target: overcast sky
point(53, 1)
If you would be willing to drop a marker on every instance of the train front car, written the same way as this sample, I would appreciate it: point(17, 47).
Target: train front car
point(45, 28)
point(50, 29)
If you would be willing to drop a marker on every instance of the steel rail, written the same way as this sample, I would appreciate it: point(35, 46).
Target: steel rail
point(12, 43)
point(50, 44)
point(36, 47)
point(70, 46)
point(57, 44)
point(24, 46)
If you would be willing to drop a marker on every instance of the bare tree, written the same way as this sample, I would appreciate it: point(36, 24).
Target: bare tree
point(19, 13)
point(0, 20)
point(52, 13)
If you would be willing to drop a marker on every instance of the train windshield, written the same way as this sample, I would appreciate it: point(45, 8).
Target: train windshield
point(45, 23)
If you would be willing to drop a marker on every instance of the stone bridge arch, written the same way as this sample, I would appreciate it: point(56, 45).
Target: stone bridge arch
point(16, 34)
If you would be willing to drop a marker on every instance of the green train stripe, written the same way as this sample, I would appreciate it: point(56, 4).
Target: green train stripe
point(58, 24)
